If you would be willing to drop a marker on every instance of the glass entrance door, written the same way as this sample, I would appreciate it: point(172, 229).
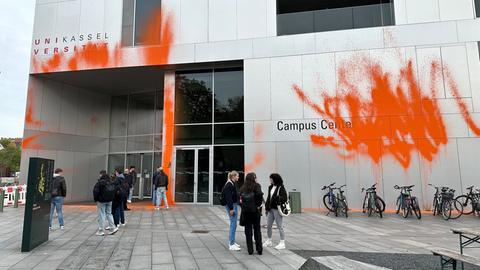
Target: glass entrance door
point(193, 177)
point(143, 166)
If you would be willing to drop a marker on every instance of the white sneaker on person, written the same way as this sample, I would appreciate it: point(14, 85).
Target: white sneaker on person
point(167, 207)
point(281, 245)
point(107, 228)
point(100, 233)
point(129, 201)
point(113, 232)
point(62, 227)
point(237, 245)
point(125, 223)
point(234, 248)
point(268, 243)
point(49, 228)
point(157, 208)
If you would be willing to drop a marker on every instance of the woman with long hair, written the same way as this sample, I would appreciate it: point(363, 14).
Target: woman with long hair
point(231, 198)
point(277, 194)
point(251, 199)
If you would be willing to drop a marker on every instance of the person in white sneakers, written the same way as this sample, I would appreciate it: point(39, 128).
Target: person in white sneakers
point(230, 194)
point(277, 194)
point(103, 194)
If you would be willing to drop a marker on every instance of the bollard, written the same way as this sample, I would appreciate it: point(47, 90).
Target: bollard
point(2, 198)
point(15, 199)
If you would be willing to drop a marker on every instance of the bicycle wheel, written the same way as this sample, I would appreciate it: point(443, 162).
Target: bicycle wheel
point(457, 209)
point(416, 208)
point(381, 203)
point(326, 202)
point(378, 207)
point(398, 204)
point(365, 204)
point(370, 206)
point(405, 209)
point(467, 204)
point(435, 209)
point(342, 205)
point(446, 209)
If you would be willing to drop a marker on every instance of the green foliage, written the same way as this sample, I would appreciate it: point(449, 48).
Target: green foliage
point(10, 155)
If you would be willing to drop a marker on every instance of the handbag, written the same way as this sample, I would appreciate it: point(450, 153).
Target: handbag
point(242, 219)
point(284, 208)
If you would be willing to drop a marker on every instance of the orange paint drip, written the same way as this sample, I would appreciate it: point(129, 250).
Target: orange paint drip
point(29, 142)
point(160, 33)
point(30, 120)
point(92, 55)
point(396, 119)
point(257, 160)
point(168, 127)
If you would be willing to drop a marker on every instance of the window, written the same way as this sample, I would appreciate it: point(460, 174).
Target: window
point(477, 8)
point(137, 14)
point(307, 16)
point(193, 97)
point(226, 159)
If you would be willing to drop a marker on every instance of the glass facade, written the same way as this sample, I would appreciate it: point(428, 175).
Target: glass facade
point(136, 16)
point(477, 8)
point(307, 16)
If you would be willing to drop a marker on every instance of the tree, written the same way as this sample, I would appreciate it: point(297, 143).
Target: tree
point(10, 155)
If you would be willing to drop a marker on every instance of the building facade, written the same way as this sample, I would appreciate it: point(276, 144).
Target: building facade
point(352, 92)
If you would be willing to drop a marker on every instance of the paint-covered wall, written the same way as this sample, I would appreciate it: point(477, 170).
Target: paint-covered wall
point(69, 125)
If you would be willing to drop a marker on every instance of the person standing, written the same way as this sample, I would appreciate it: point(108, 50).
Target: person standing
point(231, 197)
point(161, 187)
point(59, 191)
point(155, 176)
point(128, 185)
point(251, 199)
point(120, 195)
point(133, 173)
point(277, 194)
point(103, 194)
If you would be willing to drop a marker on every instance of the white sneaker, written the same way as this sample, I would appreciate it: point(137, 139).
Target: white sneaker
point(100, 233)
point(280, 245)
point(167, 207)
point(129, 201)
point(123, 224)
point(268, 243)
point(237, 245)
point(234, 248)
point(62, 227)
point(157, 208)
point(107, 228)
point(49, 228)
point(113, 232)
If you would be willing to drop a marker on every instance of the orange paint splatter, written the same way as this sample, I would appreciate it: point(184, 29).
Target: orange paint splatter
point(396, 119)
point(158, 32)
point(257, 160)
point(29, 142)
point(30, 120)
point(168, 127)
point(258, 132)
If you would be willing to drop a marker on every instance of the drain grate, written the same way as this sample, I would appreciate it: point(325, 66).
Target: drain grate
point(200, 231)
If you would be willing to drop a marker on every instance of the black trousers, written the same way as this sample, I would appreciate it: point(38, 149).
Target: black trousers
point(252, 223)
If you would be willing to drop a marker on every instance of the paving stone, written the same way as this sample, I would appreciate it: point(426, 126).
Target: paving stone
point(184, 263)
point(164, 257)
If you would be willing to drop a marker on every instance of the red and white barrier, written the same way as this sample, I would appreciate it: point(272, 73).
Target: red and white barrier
point(9, 198)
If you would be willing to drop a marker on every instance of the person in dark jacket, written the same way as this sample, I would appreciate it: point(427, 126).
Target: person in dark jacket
point(128, 182)
point(160, 183)
point(117, 205)
point(133, 173)
point(59, 191)
point(252, 191)
point(230, 193)
point(103, 194)
point(277, 195)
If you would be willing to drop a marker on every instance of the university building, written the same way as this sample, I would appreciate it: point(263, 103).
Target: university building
point(348, 91)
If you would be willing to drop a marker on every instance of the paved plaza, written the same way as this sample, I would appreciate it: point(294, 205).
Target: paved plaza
point(195, 237)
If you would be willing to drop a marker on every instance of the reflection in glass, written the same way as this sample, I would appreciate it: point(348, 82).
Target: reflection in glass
point(159, 113)
point(228, 95)
point(115, 161)
point(147, 174)
point(141, 114)
point(127, 23)
point(229, 134)
point(295, 23)
point(193, 98)
point(135, 160)
point(226, 159)
point(329, 19)
point(144, 10)
point(157, 142)
point(203, 175)
point(191, 135)
point(139, 143)
point(157, 160)
point(117, 144)
point(118, 119)
point(477, 8)
point(367, 16)
point(184, 175)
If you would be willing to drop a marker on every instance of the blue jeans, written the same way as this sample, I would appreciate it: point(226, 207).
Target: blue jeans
point(130, 194)
point(233, 223)
point(118, 214)
point(104, 210)
point(161, 194)
point(154, 195)
point(56, 203)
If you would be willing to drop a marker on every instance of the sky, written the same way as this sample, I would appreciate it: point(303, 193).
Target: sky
point(16, 27)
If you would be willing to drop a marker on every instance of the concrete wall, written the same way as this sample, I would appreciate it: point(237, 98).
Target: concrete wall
point(71, 126)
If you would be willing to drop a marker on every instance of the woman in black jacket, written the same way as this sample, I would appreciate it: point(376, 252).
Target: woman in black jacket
point(276, 196)
point(251, 199)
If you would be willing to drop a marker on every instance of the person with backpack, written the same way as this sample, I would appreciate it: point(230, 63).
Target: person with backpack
point(128, 184)
point(59, 192)
point(160, 182)
point(277, 194)
point(251, 199)
point(103, 194)
point(120, 196)
point(230, 201)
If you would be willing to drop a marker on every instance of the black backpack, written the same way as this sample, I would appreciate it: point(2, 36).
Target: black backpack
point(248, 202)
point(108, 190)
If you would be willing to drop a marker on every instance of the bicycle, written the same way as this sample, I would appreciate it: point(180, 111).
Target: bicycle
point(372, 202)
point(407, 203)
point(335, 203)
point(444, 203)
point(471, 199)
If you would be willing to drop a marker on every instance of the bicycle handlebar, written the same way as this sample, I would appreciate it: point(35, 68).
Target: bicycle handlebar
point(325, 187)
point(403, 187)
